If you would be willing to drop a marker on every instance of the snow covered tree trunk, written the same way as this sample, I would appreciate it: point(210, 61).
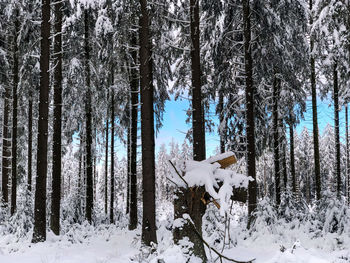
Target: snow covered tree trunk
point(250, 119)
point(88, 120)
point(30, 142)
point(57, 125)
point(14, 111)
point(128, 163)
point(6, 147)
point(276, 146)
point(314, 113)
point(147, 129)
point(336, 128)
point(134, 83)
point(39, 233)
point(188, 202)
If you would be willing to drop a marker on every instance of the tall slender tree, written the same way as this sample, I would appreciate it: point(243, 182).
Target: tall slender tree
point(314, 110)
point(30, 141)
point(14, 110)
point(336, 129)
point(88, 119)
point(57, 125)
point(111, 205)
point(276, 139)
point(134, 85)
point(106, 160)
point(39, 233)
point(147, 129)
point(250, 119)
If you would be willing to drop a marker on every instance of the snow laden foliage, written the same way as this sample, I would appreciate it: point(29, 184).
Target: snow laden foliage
point(209, 174)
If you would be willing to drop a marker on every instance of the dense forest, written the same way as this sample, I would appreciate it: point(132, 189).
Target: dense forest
point(84, 90)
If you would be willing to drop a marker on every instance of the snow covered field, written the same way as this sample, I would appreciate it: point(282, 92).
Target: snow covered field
point(112, 244)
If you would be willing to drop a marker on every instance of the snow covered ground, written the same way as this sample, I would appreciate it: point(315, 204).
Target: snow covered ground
point(112, 244)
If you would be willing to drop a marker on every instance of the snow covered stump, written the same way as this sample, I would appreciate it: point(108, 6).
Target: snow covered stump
point(199, 183)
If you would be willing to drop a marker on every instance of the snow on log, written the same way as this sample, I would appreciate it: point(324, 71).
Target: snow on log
point(220, 184)
point(225, 159)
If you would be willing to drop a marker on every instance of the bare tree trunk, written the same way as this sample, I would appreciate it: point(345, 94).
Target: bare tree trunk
point(57, 125)
point(106, 162)
point(314, 115)
point(129, 166)
point(88, 109)
point(276, 146)
point(347, 151)
point(14, 114)
point(39, 233)
point(336, 127)
point(221, 117)
point(111, 208)
point(292, 160)
point(147, 130)
point(249, 96)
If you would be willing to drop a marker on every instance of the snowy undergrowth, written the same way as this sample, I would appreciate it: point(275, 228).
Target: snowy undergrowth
point(295, 233)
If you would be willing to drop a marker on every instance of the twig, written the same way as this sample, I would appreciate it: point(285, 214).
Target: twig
point(178, 173)
point(213, 249)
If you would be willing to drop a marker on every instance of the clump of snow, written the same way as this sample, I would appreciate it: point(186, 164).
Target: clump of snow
point(208, 174)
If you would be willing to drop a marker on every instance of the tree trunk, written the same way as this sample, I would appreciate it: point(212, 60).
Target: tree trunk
point(276, 146)
point(6, 147)
point(39, 233)
point(57, 125)
point(106, 162)
point(292, 160)
point(134, 83)
point(314, 115)
point(347, 152)
point(88, 109)
point(30, 141)
point(111, 208)
point(147, 130)
point(221, 117)
point(336, 127)
point(249, 97)
point(128, 162)
point(14, 114)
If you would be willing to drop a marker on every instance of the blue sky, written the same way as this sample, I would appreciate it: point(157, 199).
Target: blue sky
point(175, 127)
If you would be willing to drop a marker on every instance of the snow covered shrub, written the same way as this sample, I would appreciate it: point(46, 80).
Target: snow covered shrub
point(291, 208)
point(332, 215)
point(21, 223)
point(265, 217)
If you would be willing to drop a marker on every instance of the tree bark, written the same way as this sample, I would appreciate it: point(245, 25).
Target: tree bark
point(292, 160)
point(221, 117)
point(336, 127)
point(57, 125)
point(129, 166)
point(111, 206)
point(347, 152)
point(250, 119)
point(276, 146)
point(147, 130)
point(14, 113)
point(134, 83)
point(106, 161)
point(39, 233)
point(88, 110)
point(314, 114)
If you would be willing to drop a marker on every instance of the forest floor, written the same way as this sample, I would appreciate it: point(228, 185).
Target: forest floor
point(115, 244)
